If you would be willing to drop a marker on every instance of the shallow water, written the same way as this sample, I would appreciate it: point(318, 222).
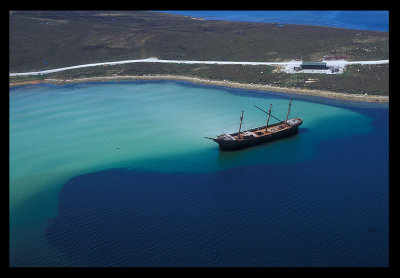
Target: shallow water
point(132, 155)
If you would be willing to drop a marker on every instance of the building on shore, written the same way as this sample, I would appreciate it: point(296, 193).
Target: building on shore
point(314, 65)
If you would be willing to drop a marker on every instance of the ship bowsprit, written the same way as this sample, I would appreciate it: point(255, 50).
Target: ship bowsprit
point(258, 135)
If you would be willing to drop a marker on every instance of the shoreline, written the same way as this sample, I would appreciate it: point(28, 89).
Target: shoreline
point(308, 92)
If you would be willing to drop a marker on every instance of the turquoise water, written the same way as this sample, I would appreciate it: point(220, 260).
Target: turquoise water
point(55, 130)
point(61, 132)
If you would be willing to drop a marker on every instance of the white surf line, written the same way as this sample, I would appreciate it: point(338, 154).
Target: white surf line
point(156, 60)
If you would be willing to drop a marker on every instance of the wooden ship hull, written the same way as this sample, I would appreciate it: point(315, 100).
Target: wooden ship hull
point(258, 135)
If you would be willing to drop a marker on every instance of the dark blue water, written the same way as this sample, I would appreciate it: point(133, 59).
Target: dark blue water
point(359, 20)
point(119, 174)
point(331, 210)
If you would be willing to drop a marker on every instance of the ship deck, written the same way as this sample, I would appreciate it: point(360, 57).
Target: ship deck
point(261, 131)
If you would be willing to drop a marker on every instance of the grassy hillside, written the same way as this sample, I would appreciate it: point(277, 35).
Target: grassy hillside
point(50, 39)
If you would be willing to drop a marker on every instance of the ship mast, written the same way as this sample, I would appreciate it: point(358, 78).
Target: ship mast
point(269, 114)
point(290, 103)
point(240, 126)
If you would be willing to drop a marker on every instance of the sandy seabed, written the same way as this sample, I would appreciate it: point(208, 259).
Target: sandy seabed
point(320, 93)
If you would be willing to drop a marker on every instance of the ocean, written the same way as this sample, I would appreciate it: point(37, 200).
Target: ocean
point(120, 174)
point(349, 19)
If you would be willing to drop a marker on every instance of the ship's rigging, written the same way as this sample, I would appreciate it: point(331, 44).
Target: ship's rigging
point(258, 135)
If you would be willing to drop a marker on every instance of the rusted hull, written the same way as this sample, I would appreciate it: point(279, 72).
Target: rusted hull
point(230, 145)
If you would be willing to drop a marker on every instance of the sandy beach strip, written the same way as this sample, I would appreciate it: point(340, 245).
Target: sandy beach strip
point(309, 92)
